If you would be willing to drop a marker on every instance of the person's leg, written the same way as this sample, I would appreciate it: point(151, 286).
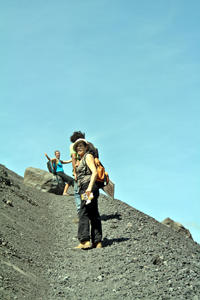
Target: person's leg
point(69, 181)
point(65, 189)
point(96, 229)
point(84, 226)
point(77, 196)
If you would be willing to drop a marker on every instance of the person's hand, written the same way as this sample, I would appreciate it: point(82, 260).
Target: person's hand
point(45, 154)
point(88, 192)
point(75, 176)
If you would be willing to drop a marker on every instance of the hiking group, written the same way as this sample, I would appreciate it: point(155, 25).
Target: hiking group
point(89, 176)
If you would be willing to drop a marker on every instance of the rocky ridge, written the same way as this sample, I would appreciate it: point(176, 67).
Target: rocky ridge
point(140, 259)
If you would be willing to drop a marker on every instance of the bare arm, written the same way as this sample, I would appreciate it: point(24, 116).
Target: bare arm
point(74, 165)
point(47, 156)
point(91, 165)
point(53, 160)
point(50, 159)
point(66, 161)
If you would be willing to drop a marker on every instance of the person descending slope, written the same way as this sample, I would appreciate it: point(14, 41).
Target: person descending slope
point(88, 189)
point(75, 159)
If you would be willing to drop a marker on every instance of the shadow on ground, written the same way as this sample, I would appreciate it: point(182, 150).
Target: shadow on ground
point(110, 217)
point(108, 242)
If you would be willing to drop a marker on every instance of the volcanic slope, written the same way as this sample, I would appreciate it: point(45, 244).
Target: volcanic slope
point(140, 259)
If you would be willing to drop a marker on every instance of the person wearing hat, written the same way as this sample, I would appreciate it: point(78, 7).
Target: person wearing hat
point(86, 178)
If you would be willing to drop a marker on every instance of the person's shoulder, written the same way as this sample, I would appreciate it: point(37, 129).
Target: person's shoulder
point(89, 156)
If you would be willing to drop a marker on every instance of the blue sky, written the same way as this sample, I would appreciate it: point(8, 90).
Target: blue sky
point(124, 72)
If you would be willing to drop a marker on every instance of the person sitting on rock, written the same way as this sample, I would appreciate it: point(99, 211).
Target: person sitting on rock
point(58, 166)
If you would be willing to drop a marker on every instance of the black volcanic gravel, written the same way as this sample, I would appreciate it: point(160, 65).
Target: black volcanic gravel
point(140, 259)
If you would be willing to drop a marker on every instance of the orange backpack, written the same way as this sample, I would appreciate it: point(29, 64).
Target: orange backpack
point(102, 175)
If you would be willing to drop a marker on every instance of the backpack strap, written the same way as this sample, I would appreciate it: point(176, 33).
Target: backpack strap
point(54, 168)
point(84, 160)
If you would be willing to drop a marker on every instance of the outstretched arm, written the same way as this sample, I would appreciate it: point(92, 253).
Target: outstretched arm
point(50, 159)
point(91, 165)
point(47, 156)
point(66, 161)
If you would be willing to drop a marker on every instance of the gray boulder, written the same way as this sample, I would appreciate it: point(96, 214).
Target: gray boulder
point(177, 227)
point(44, 181)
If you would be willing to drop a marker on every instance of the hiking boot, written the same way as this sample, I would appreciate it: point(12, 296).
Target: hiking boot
point(97, 245)
point(84, 245)
point(76, 220)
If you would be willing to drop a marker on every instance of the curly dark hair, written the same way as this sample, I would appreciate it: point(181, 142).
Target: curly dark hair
point(77, 135)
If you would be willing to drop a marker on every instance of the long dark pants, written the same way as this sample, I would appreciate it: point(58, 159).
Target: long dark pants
point(66, 178)
point(89, 213)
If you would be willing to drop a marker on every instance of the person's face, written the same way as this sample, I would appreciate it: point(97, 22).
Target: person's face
point(81, 148)
point(57, 154)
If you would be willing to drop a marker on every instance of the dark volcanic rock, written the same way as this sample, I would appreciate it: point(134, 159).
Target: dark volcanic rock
point(177, 227)
point(140, 259)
